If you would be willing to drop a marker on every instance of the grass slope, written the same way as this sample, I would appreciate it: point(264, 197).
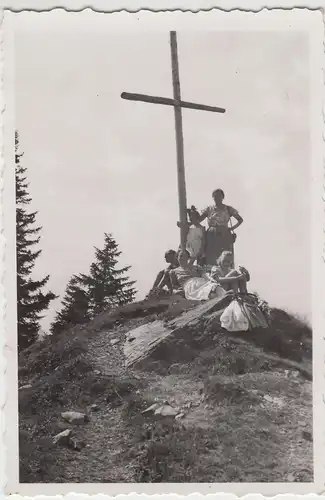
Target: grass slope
point(247, 413)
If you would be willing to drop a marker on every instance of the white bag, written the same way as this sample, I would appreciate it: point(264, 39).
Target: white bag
point(233, 319)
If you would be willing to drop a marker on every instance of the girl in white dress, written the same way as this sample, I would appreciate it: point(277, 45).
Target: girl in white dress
point(195, 241)
point(195, 282)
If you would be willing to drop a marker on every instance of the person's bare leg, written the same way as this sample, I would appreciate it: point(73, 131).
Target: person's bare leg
point(166, 281)
point(160, 276)
point(169, 283)
point(244, 271)
point(234, 286)
point(242, 285)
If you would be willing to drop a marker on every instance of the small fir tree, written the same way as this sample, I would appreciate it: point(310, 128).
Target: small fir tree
point(75, 307)
point(32, 300)
point(107, 286)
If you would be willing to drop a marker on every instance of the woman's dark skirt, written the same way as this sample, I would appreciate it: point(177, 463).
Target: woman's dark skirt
point(218, 240)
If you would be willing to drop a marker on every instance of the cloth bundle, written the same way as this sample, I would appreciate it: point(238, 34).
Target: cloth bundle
point(242, 315)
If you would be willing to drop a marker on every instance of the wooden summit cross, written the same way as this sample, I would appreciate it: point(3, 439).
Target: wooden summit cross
point(178, 104)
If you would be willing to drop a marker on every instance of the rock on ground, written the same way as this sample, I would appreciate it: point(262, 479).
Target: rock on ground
point(63, 437)
point(75, 417)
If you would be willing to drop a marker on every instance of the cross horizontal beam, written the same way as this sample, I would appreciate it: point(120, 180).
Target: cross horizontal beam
point(170, 102)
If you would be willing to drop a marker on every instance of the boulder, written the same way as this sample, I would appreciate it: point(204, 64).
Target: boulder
point(94, 407)
point(150, 409)
point(163, 410)
point(63, 437)
point(143, 341)
point(166, 411)
point(274, 400)
point(75, 417)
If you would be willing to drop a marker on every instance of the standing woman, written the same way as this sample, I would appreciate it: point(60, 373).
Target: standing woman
point(219, 236)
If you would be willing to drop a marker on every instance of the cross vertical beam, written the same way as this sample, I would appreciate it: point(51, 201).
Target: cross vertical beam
point(179, 140)
point(178, 104)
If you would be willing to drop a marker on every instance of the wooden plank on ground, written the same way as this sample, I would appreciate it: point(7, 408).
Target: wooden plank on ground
point(142, 341)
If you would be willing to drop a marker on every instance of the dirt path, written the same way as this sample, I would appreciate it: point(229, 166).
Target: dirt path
point(102, 460)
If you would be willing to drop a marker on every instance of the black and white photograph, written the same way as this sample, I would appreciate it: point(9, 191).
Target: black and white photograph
point(162, 298)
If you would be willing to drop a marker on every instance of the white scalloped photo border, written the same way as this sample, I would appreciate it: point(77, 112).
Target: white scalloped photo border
point(310, 17)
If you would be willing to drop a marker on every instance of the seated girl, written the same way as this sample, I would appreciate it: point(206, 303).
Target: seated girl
point(163, 278)
point(194, 281)
point(228, 277)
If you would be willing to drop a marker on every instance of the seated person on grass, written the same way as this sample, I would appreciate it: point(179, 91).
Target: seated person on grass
point(163, 277)
point(228, 277)
point(193, 280)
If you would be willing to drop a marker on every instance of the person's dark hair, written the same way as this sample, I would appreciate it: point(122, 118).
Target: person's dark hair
point(218, 191)
point(192, 210)
point(170, 252)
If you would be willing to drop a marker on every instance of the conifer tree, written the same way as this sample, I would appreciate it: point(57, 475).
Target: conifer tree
point(106, 285)
point(75, 307)
point(32, 300)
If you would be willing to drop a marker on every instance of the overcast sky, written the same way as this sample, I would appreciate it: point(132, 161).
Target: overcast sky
point(97, 163)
